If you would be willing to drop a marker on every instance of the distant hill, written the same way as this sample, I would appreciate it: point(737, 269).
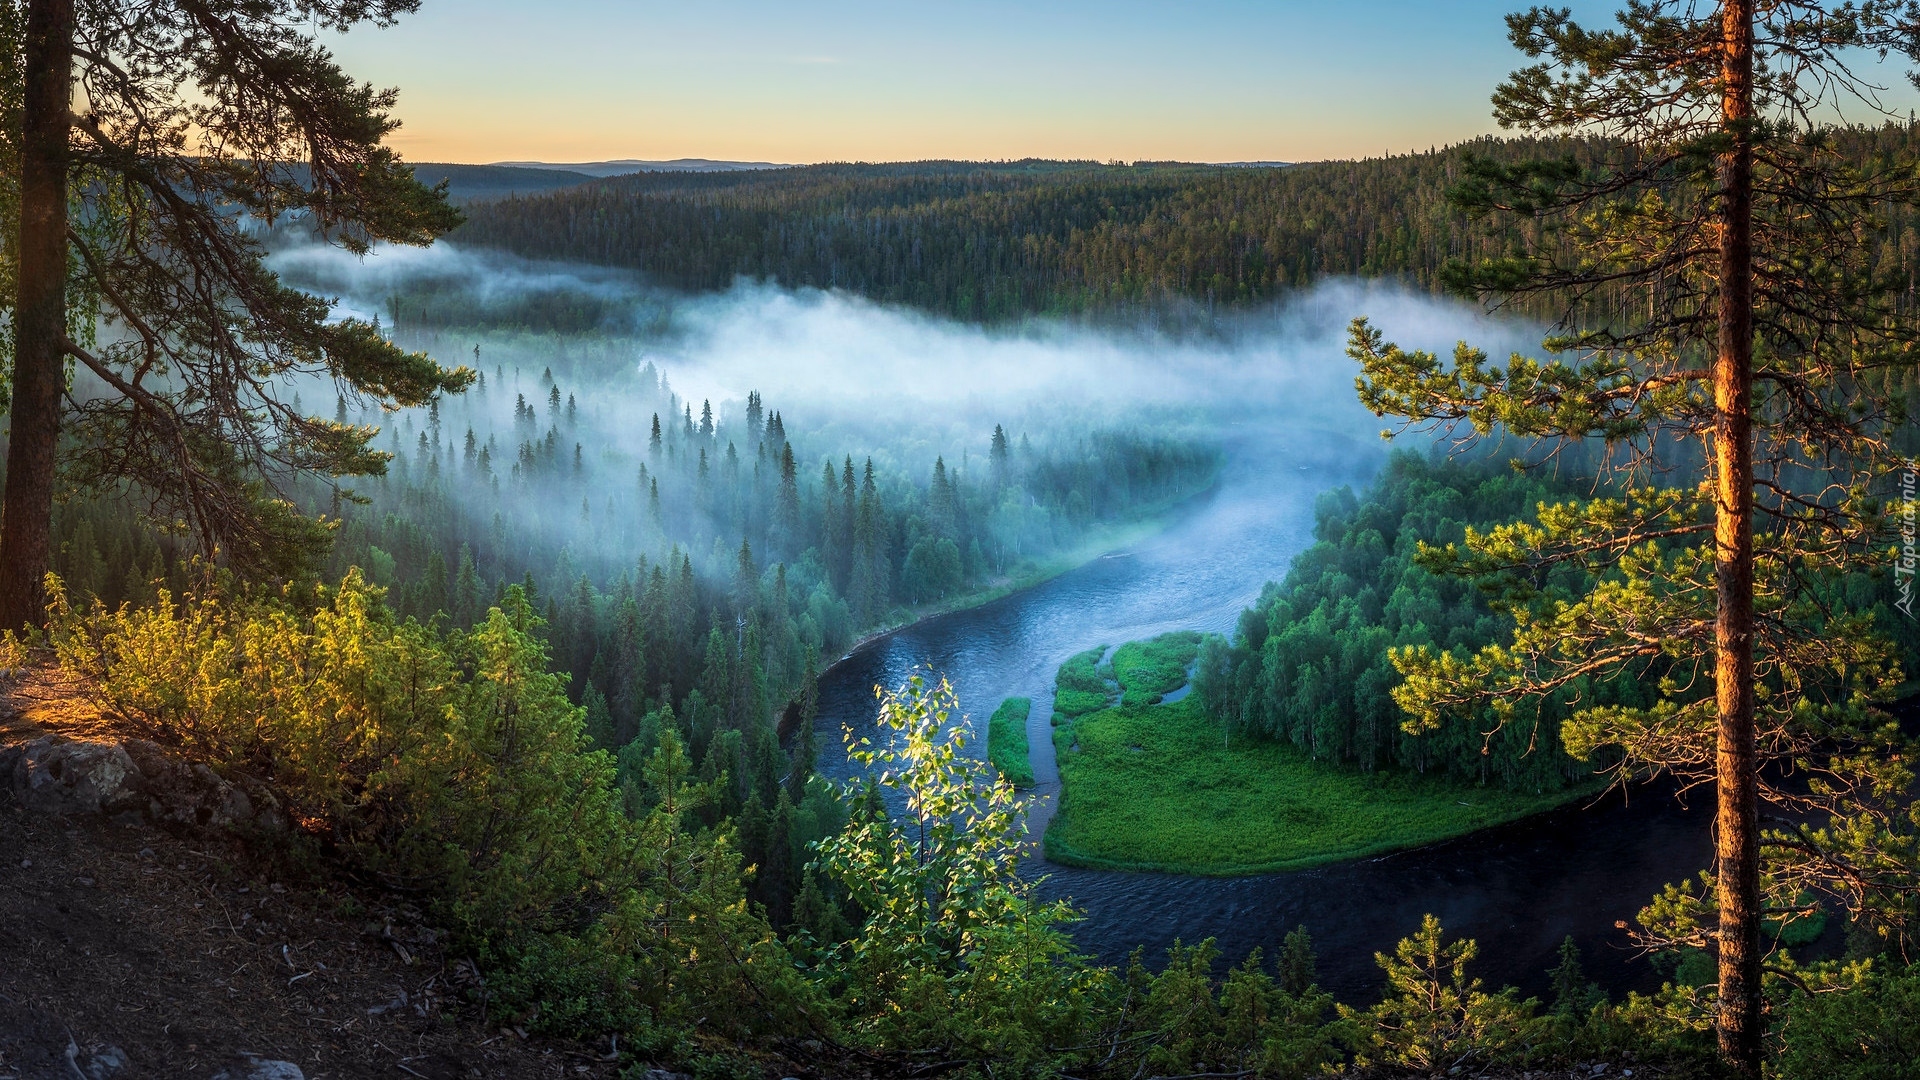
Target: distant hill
point(466, 183)
point(1004, 240)
point(634, 165)
point(1001, 240)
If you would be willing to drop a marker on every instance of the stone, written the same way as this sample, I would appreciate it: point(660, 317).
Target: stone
point(57, 776)
point(135, 782)
point(97, 1063)
point(255, 1067)
point(104, 1063)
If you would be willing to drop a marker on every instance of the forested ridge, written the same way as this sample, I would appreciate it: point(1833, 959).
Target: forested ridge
point(995, 241)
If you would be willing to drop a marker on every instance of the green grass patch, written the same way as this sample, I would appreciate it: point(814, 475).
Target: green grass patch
point(1154, 788)
point(1007, 741)
point(1079, 688)
point(1158, 665)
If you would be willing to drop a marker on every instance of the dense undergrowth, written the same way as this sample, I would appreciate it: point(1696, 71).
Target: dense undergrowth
point(599, 895)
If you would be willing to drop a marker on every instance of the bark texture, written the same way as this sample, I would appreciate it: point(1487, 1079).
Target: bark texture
point(1737, 828)
point(40, 314)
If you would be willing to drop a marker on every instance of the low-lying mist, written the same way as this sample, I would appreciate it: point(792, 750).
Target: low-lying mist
point(896, 379)
point(860, 462)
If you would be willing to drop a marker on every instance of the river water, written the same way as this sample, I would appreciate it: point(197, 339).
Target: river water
point(1519, 889)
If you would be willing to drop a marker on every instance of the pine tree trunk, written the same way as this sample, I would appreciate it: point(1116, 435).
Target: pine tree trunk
point(40, 314)
point(1737, 828)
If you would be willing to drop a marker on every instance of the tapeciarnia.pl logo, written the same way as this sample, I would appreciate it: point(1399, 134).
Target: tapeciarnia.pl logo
point(1903, 566)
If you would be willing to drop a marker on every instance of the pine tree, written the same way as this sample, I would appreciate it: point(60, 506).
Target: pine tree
point(466, 602)
point(815, 913)
point(805, 753)
point(703, 485)
point(1573, 995)
point(1711, 263)
point(746, 583)
point(152, 194)
point(940, 501)
point(843, 529)
point(870, 590)
point(653, 441)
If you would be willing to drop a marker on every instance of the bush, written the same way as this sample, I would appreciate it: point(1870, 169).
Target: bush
point(1870, 1032)
point(453, 765)
point(1081, 672)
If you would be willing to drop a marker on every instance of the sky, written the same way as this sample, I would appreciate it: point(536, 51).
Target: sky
point(1194, 80)
point(862, 80)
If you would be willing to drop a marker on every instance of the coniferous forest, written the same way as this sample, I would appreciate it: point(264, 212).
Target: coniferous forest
point(403, 667)
point(1002, 241)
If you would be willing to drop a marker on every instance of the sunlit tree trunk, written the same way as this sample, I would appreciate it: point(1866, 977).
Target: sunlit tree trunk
point(40, 312)
point(1737, 840)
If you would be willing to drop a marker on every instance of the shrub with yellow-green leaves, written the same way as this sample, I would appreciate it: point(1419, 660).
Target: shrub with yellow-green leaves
point(454, 766)
point(451, 764)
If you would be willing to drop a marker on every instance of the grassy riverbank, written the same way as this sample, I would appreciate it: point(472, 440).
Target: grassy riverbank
point(1007, 741)
point(1158, 787)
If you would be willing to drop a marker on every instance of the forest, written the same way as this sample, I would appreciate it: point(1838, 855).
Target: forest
point(1310, 663)
point(1004, 241)
point(489, 636)
point(700, 581)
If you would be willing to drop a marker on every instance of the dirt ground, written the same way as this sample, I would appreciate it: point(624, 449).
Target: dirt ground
point(172, 952)
point(126, 952)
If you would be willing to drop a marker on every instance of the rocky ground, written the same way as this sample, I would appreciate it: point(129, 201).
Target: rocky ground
point(140, 939)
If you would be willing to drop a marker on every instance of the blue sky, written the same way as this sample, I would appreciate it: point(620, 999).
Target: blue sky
point(1201, 80)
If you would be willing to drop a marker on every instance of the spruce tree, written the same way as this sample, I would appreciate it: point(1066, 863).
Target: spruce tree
point(141, 208)
point(1573, 995)
point(1707, 245)
point(787, 512)
point(843, 529)
point(1299, 968)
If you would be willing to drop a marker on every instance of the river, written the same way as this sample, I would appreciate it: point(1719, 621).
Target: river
point(1519, 889)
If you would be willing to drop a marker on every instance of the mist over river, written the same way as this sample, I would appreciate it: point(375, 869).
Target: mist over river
point(1274, 389)
point(1518, 889)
